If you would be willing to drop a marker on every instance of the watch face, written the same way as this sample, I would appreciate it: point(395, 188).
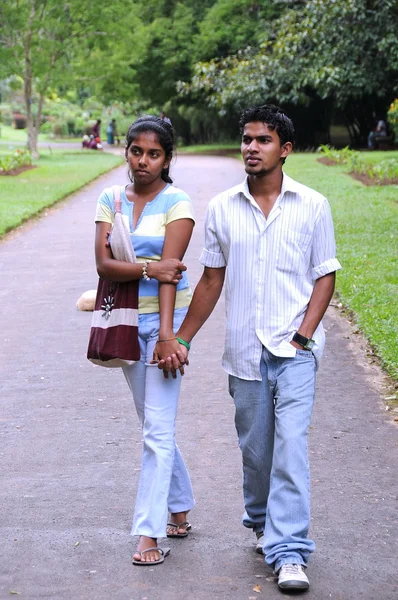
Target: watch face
point(309, 345)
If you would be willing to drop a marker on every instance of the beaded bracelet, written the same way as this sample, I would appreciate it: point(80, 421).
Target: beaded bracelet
point(183, 343)
point(144, 270)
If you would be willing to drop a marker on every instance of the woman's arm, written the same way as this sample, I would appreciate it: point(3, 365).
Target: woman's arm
point(178, 235)
point(168, 270)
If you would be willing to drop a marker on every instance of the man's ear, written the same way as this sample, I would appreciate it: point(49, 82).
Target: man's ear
point(286, 149)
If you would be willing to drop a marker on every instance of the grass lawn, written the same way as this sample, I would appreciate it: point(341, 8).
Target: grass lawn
point(19, 136)
point(365, 220)
point(209, 148)
point(57, 175)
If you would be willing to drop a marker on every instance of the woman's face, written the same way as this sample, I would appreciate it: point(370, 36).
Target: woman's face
point(146, 158)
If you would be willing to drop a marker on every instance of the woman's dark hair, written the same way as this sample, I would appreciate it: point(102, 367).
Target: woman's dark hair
point(164, 132)
point(274, 117)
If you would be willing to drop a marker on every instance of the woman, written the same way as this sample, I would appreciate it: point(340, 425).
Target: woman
point(161, 221)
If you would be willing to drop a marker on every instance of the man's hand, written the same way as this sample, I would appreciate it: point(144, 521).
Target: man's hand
point(169, 363)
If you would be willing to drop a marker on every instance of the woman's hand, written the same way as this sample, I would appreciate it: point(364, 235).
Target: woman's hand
point(168, 354)
point(167, 270)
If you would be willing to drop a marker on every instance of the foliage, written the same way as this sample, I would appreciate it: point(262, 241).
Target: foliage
point(17, 158)
point(393, 117)
point(345, 52)
point(382, 171)
point(229, 26)
point(50, 44)
point(339, 156)
point(26, 195)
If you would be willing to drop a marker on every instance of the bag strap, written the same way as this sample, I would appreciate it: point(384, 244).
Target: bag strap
point(116, 196)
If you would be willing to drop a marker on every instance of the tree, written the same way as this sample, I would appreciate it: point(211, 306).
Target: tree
point(227, 27)
point(45, 42)
point(343, 54)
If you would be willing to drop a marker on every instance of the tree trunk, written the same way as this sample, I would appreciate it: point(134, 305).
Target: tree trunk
point(32, 129)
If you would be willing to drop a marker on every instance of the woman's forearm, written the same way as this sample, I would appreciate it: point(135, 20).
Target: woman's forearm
point(167, 299)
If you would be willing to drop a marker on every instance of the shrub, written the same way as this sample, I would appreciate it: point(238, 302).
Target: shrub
point(386, 169)
point(19, 121)
point(18, 158)
point(392, 116)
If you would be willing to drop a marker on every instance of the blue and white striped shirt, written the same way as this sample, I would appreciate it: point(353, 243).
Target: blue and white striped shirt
point(148, 236)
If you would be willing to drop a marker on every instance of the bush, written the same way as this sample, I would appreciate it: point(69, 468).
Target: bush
point(18, 158)
point(392, 116)
point(59, 129)
point(386, 169)
point(19, 121)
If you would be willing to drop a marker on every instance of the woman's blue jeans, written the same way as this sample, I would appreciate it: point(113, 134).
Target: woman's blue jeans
point(164, 481)
point(272, 419)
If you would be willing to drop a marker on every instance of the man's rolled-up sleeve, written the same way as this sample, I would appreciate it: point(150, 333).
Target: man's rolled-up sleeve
point(212, 255)
point(324, 259)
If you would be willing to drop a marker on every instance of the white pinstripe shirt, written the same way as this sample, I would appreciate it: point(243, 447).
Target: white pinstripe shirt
point(272, 265)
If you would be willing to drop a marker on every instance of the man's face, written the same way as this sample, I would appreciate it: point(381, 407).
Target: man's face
point(261, 149)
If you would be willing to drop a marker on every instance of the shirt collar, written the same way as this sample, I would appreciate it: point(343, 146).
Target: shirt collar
point(288, 185)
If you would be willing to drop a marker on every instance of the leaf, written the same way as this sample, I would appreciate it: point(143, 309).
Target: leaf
point(14, 593)
point(257, 589)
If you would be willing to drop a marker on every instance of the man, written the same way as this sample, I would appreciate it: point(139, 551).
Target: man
point(272, 240)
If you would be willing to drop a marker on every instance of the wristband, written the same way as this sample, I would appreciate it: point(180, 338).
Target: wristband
point(144, 271)
point(167, 339)
point(183, 343)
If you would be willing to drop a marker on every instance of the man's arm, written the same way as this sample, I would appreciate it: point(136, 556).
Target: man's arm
point(205, 297)
point(319, 301)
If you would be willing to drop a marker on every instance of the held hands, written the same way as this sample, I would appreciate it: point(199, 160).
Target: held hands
point(170, 356)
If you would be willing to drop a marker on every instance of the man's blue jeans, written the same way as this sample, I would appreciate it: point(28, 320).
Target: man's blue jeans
point(272, 419)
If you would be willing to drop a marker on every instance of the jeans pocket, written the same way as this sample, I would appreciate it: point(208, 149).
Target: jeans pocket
point(305, 354)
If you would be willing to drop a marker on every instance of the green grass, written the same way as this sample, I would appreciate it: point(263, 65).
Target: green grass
point(57, 175)
point(365, 220)
point(19, 136)
point(209, 148)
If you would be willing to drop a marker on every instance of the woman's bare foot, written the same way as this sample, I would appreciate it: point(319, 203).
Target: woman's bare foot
point(180, 524)
point(145, 543)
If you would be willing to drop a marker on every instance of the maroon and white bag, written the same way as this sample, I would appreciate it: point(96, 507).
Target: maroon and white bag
point(114, 329)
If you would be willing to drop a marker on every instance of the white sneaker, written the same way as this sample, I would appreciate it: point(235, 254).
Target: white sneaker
point(260, 542)
point(292, 577)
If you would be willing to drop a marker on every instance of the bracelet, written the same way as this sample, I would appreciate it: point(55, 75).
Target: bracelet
point(167, 339)
point(183, 343)
point(144, 271)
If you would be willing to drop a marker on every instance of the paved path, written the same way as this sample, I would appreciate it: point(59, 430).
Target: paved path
point(70, 443)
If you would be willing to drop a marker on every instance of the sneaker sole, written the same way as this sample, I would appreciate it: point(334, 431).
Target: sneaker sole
point(294, 585)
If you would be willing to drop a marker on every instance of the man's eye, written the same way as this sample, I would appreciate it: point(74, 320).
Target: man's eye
point(155, 154)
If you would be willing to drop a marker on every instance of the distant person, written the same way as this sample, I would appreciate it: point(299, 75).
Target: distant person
point(379, 131)
point(96, 129)
point(271, 239)
point(110, 132)
point(165, 118)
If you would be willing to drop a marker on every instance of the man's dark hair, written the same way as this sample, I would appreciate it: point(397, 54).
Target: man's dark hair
point(273, 116)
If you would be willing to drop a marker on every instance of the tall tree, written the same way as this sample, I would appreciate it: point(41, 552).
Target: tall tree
point(42, 41)
point(344, 53)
